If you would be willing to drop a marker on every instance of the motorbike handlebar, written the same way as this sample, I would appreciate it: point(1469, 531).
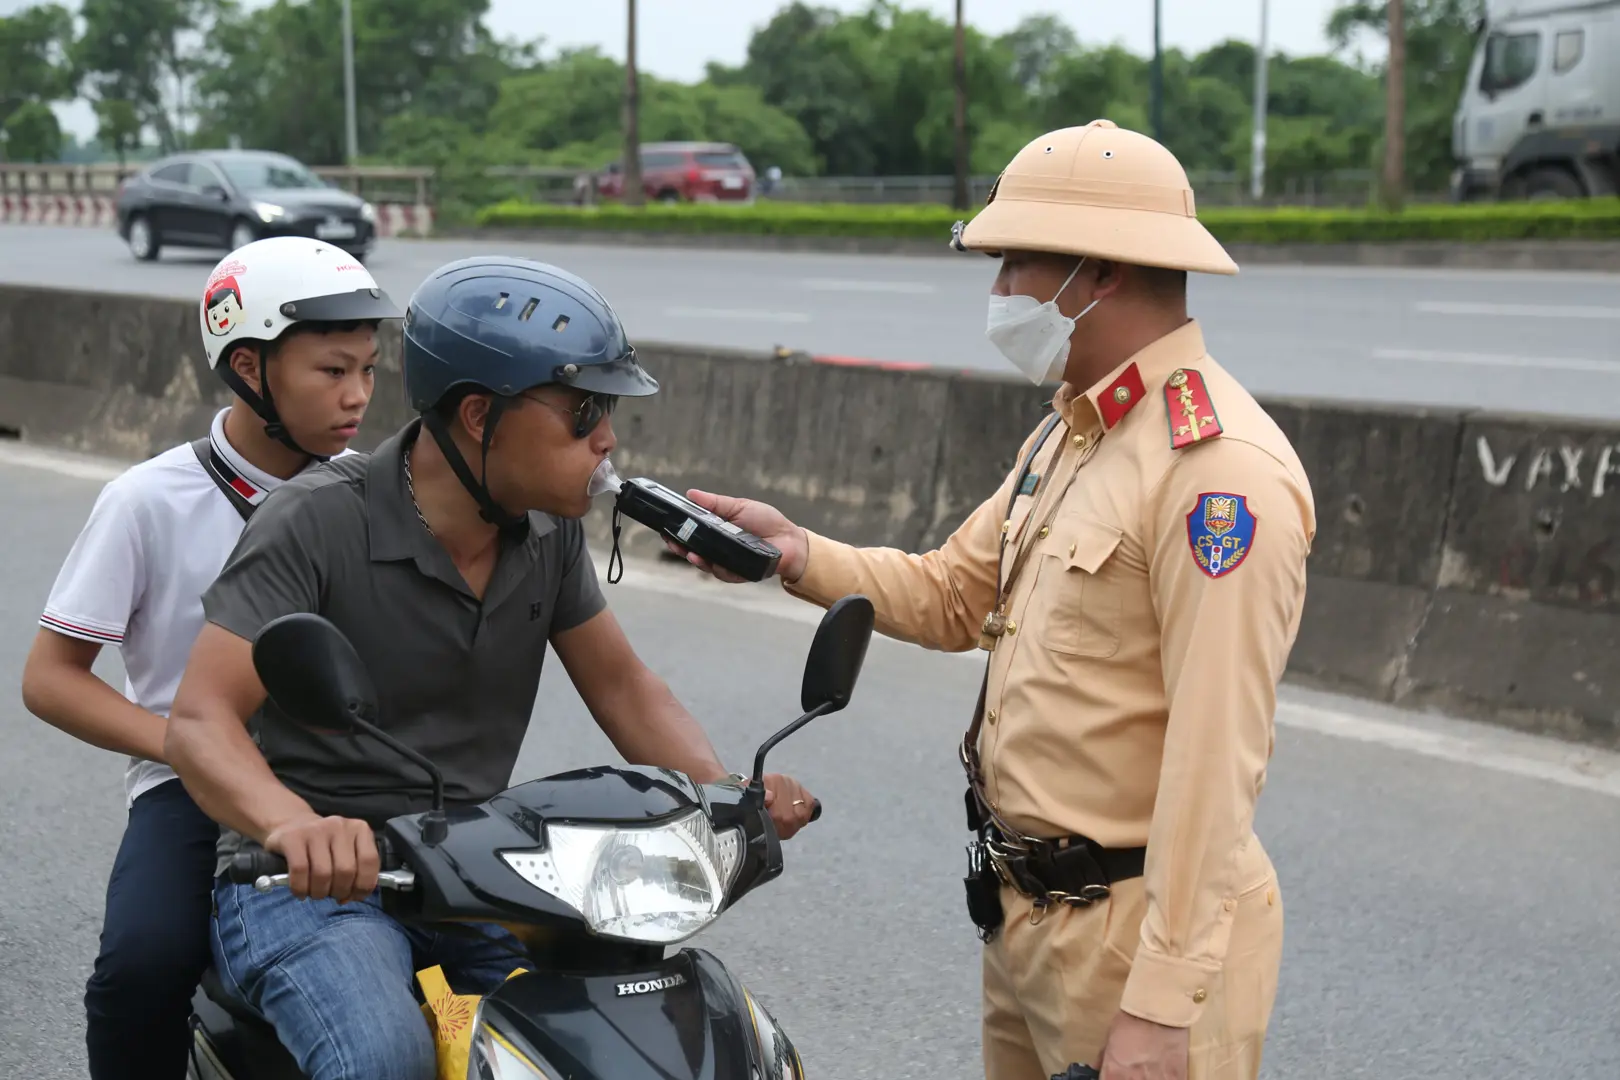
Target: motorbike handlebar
point(248, 866)
point(266, 869)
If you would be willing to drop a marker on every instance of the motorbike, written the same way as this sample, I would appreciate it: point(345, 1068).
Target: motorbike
point(598, 872)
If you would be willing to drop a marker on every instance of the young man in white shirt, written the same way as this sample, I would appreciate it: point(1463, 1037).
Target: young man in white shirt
point(290, 325)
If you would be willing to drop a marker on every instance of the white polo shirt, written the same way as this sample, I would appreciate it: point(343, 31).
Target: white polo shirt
point(156, 539)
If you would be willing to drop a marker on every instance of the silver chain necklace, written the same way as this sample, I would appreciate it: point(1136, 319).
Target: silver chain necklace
point(410, 487)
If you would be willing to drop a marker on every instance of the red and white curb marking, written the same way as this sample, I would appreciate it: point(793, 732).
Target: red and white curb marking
point(97, 212)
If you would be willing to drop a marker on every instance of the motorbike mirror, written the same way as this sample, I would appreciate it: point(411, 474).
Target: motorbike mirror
point(830, 671)
point(311, 671)
point(836, 655)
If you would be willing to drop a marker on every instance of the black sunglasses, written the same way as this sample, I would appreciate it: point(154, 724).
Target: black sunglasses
point(587, 414)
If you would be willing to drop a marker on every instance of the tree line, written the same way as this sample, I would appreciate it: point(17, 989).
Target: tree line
point(819, 93)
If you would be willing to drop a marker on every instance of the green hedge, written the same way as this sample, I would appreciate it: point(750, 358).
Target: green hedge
point(1590, 219)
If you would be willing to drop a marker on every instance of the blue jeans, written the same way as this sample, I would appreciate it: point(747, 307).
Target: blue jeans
point(336, 979)
point(154, 940)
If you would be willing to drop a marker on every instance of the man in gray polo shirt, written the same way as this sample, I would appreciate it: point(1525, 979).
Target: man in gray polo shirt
point(450, 586)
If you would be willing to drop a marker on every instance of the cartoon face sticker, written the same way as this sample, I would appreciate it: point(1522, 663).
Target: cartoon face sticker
point(223, 304)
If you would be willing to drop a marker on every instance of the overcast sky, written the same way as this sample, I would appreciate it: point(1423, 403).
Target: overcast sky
point(677, 37)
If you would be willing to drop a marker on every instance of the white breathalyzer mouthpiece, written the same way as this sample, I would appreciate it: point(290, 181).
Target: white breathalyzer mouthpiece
point(604, 480)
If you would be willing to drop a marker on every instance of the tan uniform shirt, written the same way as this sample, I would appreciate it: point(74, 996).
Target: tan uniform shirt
point(1131, 699)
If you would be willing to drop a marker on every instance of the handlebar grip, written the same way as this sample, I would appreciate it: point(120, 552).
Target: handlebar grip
point(249, 865)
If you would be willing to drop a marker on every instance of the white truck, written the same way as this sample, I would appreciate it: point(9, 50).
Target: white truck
point(1540, 114)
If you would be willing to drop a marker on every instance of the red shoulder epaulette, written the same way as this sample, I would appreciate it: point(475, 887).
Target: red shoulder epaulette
point(1192, 414)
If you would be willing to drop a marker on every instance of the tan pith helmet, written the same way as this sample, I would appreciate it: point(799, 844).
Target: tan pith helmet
point(1100, 191)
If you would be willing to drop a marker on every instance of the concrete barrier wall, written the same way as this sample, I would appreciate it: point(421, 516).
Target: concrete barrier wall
point(1462, 559)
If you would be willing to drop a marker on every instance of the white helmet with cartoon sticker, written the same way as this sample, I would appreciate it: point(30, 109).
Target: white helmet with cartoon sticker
point(257, 292)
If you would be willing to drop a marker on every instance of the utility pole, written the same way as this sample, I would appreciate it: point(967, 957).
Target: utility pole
point(1158, 70)
point(962, 193)
point(1395, 110)
point(349, 126)
point(1262, 65)
point(633, 194)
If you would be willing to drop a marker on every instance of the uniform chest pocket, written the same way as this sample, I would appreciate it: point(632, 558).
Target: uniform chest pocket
point(1014, 525)
point(1078, 599)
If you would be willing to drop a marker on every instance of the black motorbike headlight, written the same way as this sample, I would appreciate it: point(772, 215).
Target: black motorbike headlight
point(493, 1057)
point(778, 1055)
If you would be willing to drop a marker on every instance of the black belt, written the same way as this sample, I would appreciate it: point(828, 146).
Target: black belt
point(1071, 870)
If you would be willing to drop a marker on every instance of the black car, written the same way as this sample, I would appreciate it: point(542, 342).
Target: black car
point(229, 198)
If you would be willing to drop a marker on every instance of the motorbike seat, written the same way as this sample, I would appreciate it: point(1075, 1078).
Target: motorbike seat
point(240, 1010)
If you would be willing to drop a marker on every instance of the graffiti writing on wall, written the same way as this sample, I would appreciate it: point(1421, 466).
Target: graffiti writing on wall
point(1564, 468)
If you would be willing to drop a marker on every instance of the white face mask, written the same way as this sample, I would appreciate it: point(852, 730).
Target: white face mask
point(1032, 335)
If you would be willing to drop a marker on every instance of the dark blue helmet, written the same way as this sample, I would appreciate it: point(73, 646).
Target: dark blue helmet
point(505, 324)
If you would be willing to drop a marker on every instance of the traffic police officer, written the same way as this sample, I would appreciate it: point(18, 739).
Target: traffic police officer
point(1137, 582)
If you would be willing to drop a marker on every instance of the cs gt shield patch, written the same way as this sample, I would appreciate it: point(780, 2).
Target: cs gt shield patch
point(1220, 530)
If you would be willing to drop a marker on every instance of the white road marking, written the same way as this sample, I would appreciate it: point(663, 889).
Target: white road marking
point(1488, 277)
point(1516, 311)
point(737, 314)
point(61, 462)
point(1517, 754)
point(915, 288)
point(1461, 742)
point(1500, 360)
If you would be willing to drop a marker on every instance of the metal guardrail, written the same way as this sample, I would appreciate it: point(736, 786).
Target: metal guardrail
point(415, 185)
point(1351, 187)
point(402, 183)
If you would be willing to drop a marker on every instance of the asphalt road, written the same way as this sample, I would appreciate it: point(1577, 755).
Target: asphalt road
point(1523, 342)
point(1450, 888)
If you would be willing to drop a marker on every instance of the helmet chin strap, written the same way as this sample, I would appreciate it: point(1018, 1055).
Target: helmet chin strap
point(488, 509)
point(261, 403)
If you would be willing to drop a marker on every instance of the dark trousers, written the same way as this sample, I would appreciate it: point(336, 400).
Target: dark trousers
point(154, 939)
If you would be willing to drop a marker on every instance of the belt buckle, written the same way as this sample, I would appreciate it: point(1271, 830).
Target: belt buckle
point(1001, 856)
point(1003, 851)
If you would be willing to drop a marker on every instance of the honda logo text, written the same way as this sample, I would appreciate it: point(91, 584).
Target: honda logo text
point(647, 986)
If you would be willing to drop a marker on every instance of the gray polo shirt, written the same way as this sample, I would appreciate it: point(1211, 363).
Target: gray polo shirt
point(456, 678)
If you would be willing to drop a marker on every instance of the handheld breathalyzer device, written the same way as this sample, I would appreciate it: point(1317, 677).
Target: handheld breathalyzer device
point(699, 531)
point(677, 518)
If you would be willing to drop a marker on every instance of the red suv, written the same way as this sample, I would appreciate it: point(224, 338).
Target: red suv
point(680, 172)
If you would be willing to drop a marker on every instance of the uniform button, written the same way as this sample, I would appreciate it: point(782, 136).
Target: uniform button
point(1006, 525)
point(1071, 550)
point(990, 717)
point(1271, 897)
point(1012, 627)
point(1080, 440)
point(1199, 995)
point(1230, 904)
point(1045, 532)
point(1122, 394)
